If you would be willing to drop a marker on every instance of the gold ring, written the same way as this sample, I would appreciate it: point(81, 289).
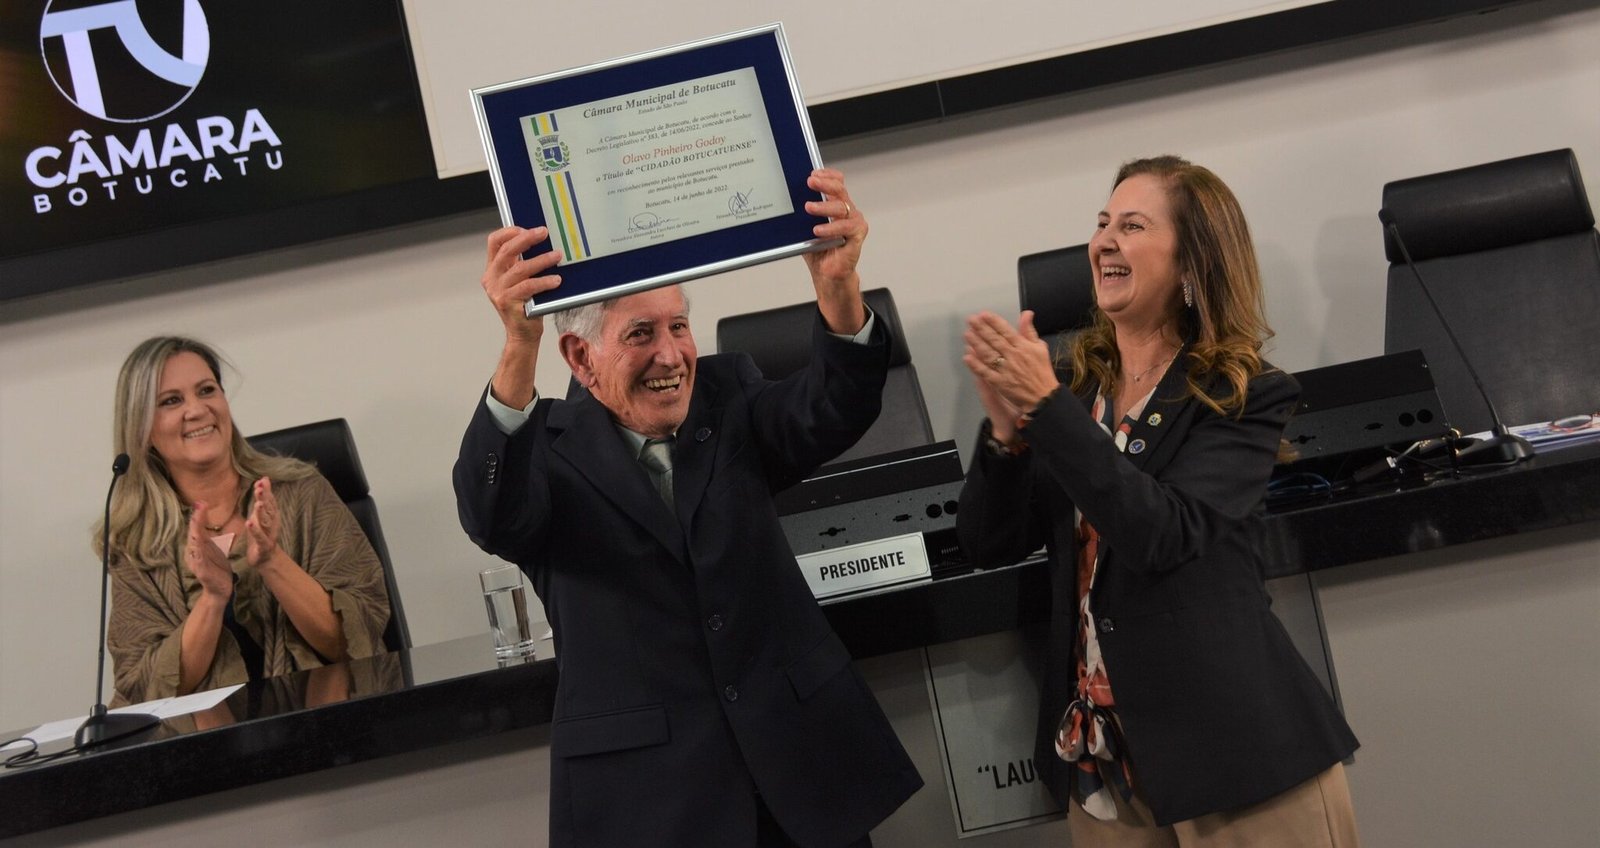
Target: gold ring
point(848, 209)
point(997, 363)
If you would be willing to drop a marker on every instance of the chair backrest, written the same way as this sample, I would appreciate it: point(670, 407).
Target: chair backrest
point(1510, 252)
point(779, 340)
point(330, 446)
point(1058, 285)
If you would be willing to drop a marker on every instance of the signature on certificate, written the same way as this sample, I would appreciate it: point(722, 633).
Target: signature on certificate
point(645, 221)
point(739, 203)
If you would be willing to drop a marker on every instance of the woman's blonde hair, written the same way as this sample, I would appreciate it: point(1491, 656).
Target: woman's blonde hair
point(1227, 324)
point(147, 515)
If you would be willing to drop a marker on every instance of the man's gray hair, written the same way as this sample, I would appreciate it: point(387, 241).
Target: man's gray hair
point(584, 321)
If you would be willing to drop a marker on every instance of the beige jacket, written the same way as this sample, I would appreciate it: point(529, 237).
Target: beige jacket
point(150, 603)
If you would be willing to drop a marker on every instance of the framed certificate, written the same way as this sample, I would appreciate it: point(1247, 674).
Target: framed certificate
point(656, 168)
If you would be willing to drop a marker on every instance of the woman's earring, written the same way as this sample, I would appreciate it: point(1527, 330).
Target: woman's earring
point(1188, 295)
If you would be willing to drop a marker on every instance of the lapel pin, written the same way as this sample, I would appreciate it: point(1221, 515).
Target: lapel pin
point(1136, 446)
point(702, 434)
point(1154, 420)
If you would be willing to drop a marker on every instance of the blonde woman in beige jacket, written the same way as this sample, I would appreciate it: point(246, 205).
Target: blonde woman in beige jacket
point(227, 564)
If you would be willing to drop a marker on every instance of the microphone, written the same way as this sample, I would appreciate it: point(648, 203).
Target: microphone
point(1502, 447)
point(102, 727)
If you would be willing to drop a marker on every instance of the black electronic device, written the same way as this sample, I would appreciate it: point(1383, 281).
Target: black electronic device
point(102, 727)
point(1502, 447)
point(1355, 409)
point(876, 497)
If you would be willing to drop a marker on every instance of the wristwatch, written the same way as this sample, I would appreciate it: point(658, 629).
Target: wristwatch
point(998, 448)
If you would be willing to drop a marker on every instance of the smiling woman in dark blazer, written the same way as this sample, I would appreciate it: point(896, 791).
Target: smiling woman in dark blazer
point(1174, 710)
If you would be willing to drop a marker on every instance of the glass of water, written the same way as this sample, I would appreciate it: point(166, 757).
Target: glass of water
point(506, 597)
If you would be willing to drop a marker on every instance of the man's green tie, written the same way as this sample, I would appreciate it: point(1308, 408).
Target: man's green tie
point(656, 455)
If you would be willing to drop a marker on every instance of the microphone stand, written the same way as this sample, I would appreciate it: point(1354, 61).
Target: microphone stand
point(102, 726)
point(1502, 447)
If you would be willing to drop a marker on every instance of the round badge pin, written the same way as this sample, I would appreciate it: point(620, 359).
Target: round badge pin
point(1136, 446)
point(1154, 420)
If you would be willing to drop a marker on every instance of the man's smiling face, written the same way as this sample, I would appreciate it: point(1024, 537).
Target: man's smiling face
point(642, 365)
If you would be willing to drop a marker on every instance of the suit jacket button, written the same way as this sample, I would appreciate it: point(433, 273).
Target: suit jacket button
point(714, 622)
point(702, 434)
point(730, 692)
point(1106, 625)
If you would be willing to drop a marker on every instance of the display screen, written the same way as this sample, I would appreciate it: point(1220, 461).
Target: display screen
point(122, 117)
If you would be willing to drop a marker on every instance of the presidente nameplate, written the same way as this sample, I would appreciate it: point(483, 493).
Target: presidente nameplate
point(866, 565)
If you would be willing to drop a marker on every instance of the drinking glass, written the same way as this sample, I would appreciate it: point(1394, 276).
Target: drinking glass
point(506, 597)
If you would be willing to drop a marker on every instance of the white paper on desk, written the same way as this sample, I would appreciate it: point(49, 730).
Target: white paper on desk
point(162, 708)
point(1562, 432)
point(170, 707)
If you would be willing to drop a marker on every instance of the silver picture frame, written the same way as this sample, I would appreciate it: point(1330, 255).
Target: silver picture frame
point(552, 143)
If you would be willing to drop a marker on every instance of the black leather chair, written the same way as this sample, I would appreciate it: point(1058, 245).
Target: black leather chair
point(1058, 285)
point(779, 340)
point(1510, 251)
point(330, 446)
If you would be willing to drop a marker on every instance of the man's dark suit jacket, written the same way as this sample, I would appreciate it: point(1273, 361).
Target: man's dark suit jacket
point(1218, 709)
point(696, 667)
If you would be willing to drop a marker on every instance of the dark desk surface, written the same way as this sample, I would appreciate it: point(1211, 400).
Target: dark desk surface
point(430, 695)
point(454, 691)
point(1554, 489)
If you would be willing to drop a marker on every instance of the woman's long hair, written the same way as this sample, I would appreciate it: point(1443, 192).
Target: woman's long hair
point(147, 515)
point(1227, 324)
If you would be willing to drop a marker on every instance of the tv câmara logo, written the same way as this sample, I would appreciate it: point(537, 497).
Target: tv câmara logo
point(122, 61)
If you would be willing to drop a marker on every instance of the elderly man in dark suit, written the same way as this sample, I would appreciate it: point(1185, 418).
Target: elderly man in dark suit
point(704, 700)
